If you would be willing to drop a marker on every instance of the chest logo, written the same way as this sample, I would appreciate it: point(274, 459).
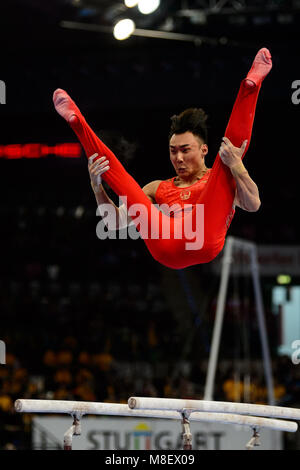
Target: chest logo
point(185, 194)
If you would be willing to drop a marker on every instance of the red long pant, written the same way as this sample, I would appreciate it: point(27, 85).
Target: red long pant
point(217, 197)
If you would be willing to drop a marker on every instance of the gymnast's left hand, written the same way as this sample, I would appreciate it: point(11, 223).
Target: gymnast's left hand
point(231, 155)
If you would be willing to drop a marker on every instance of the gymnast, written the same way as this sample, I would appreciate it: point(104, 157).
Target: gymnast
point(218, 189)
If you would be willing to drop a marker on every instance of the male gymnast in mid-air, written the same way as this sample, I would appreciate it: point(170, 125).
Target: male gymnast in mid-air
point(219, 189)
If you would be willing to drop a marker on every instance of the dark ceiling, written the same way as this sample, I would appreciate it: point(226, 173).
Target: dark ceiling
point(69, 44)
point(246, 23)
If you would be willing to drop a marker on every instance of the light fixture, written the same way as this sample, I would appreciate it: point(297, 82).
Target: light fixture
point(123, 29)
point(131, 3)
point(79, 211)
point(284, 279)
point(148, 6)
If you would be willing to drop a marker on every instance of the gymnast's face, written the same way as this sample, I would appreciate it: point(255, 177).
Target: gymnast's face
point(187, 153)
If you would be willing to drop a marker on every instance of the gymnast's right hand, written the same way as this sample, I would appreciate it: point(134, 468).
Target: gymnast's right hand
point(96, 169)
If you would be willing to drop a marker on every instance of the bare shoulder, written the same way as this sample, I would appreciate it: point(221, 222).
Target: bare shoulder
point(152, 185)
point(151, 188)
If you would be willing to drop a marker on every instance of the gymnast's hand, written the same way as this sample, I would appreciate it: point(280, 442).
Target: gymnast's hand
point(96, 169)
point(231, 155)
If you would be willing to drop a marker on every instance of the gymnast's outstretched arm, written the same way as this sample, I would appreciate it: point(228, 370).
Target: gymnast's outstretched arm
point(121, 218)
point(96, 168)
point(247, 194)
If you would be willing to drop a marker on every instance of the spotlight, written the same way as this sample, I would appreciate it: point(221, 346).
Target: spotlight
point(131, 3)
point(123, 29)
point(148, 6)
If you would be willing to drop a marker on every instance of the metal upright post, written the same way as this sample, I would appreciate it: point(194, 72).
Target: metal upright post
point(213, 357)
point(262, 326)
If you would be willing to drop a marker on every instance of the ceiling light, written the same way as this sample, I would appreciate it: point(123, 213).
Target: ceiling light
point(123, 29)
point(131, 3)
point(148, 6)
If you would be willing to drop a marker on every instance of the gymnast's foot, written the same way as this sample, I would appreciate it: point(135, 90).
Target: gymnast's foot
point(65, 106)
point(261, 66)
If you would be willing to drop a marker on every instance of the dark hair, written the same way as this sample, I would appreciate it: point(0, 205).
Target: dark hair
point(191, 120)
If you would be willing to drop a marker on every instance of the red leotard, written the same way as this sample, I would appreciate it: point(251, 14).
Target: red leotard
point(170, 194)
point(167, 192)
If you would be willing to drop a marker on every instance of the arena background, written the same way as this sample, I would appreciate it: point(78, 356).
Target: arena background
point(101, 320)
